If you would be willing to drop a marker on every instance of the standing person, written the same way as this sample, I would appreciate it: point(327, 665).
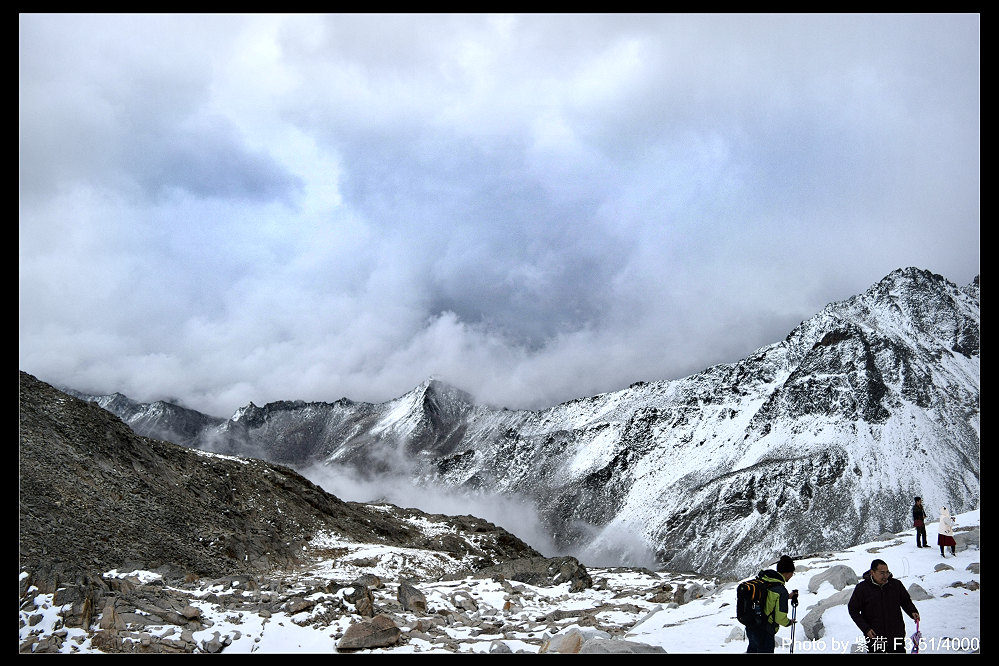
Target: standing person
point(919, 521)
point(761, 637)
point(876, 608)
point(945, 532)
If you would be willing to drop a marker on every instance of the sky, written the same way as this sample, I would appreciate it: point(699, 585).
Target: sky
point(218, 209)
point(950, 616)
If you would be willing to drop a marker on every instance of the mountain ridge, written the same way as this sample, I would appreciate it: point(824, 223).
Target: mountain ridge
point(892, 373)
point(94, 496)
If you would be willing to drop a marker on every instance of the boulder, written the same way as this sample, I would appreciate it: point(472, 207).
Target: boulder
point(615, 646)
point(499, 647)
point(379, 631)
point(811, 623)
point(370, 581)
point(970, 538)
point(684, 594)
point(566, 642)
point(464, 600)
point(363, 600)
point(838, 576)
point(539, 571)
point(412, 599)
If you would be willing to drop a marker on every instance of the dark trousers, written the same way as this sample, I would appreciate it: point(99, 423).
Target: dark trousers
point(761, 639)
point(921, 534)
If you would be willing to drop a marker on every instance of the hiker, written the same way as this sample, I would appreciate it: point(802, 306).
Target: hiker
point(919, 521)
point(945, 532)
point(876, 608)
point(761, 637)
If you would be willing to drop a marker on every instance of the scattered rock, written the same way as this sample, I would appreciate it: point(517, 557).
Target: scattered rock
point(540, 571)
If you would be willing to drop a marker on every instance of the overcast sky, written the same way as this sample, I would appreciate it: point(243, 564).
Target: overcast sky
point(225, 209)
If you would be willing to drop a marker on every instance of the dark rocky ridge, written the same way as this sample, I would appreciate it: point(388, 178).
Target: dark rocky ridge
point(94, 496)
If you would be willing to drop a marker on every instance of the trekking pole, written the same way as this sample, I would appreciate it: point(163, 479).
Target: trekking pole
point(794, 612)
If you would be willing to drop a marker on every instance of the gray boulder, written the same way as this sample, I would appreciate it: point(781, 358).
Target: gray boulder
point(499, 647)
point(811, 623)
point(412, 599)
point(968, 539)
point(686, 593)
point(838, 576)
point(615, 646)
point(918, 593)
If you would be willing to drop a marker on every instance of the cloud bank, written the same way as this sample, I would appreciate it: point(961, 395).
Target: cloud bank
point(219, 209)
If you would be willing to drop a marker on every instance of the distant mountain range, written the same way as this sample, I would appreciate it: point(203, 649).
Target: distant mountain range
point(95, 496)
point(813, 443)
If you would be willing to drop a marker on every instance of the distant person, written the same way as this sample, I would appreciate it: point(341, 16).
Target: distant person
point(876, 608)
point(761, 637)
point(945, 532)
point(919, 521)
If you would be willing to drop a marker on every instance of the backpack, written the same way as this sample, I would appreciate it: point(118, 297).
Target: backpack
point(751, 601)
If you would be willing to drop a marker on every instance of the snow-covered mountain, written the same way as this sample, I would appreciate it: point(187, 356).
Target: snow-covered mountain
point(815, 442)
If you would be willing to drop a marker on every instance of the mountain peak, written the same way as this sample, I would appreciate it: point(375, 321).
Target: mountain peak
point(891, 374)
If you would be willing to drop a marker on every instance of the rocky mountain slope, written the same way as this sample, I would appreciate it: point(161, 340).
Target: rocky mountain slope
point(818, 441)
point(95, 496)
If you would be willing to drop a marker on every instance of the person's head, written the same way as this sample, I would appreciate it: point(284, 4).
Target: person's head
point(785, 567)
point(879, 572)
point(919, 500)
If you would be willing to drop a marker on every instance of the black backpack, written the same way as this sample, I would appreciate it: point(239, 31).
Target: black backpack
point(751, 601)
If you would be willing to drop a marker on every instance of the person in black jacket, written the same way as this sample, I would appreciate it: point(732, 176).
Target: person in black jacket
point(919, 520)
point(876, 607)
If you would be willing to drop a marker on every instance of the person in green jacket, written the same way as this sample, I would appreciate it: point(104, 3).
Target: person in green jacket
point(761, 638)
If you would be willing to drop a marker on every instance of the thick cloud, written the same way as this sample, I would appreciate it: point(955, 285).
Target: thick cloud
point(220, 209)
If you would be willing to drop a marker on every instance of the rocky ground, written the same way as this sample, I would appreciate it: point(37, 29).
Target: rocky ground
point(326, 609)
point(370, 598)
